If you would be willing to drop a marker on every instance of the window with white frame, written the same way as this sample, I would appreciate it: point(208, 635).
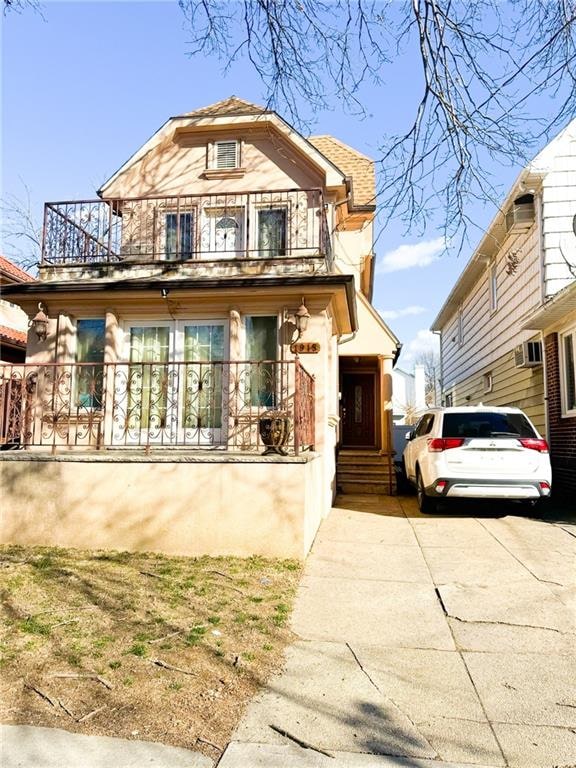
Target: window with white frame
point(226, 154)
point(487, 382)
point(493, 288)
point(568, 371)
point(460, 325)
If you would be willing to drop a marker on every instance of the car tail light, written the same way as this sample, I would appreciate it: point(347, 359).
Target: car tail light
point(440, 486)
point(545, 486)
point(438, 444)
point(534, 443)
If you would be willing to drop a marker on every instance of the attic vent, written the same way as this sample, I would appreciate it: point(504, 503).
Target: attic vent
point(528, 354)
point(226, 154)
point(520, 216)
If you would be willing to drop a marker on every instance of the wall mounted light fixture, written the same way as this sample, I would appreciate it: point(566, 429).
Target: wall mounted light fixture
point(301, 317)
point(39, 322)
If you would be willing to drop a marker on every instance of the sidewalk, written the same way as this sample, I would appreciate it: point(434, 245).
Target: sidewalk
point(424, 641)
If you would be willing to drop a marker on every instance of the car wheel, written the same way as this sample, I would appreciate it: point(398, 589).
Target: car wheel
point(426, 504)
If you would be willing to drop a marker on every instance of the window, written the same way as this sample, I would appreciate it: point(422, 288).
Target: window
point(226, 154)
point(223, 232)
point(90, 341)
point(179, 235)
point(425, 425)
point(272, 232)
point(486, 424)
point(448, 400)
point(460, 326)
point(487, 382)
point(261, 351)
point(568, 371)
point(493, 288)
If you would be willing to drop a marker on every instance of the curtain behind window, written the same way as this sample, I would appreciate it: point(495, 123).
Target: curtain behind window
point(262, 344)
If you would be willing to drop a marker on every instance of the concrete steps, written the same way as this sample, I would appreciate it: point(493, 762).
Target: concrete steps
point(364, 472)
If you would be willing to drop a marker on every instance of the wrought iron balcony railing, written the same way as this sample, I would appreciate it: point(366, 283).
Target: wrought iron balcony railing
point(254, 225)
point(154, 405)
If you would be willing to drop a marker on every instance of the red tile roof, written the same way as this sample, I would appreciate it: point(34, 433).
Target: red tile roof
point(12, 336)
point(14, 272)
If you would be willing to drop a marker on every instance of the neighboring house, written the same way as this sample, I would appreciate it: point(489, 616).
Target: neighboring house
point(13, 321)
point(215, 296)
point(508, 326)
point(409, 399)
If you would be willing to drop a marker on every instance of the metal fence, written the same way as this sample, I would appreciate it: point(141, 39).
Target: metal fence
point(261, 225)
point(196, 404)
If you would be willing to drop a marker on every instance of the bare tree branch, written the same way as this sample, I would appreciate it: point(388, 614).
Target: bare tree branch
point(22, 233)
point(481, 66)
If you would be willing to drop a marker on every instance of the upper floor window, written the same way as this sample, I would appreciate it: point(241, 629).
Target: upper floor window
point(460, 325)
point(179, 235)
point(226, 154)
point(568, 372)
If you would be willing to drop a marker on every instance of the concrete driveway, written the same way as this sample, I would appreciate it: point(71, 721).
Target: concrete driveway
point(443, 640)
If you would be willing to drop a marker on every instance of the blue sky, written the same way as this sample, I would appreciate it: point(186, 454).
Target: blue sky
point(84, 86)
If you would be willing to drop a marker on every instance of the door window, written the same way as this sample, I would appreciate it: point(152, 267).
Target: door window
point(148, 377)
point(203, 350)
point(272, 232)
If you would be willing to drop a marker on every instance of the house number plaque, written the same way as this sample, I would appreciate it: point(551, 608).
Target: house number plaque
point(305, 347)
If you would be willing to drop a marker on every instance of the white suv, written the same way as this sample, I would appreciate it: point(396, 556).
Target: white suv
point(476, 452)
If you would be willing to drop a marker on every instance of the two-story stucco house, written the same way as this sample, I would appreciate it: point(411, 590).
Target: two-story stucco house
point(508, 327)
point(210, 306)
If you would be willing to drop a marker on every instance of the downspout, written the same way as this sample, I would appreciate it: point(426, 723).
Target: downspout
point(441, 377)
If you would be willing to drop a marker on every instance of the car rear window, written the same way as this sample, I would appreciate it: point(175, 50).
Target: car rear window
point(486, 425)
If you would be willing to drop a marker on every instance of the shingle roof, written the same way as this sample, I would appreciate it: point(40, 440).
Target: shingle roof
point(14, 272)
point(11, 335)
point(230, 106)
point(351, 163)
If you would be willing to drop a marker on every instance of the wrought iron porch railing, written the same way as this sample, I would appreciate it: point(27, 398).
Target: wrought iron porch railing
point(260, 225)
point(154, 405)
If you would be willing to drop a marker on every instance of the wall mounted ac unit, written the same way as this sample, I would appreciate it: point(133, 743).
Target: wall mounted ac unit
point(528, 354)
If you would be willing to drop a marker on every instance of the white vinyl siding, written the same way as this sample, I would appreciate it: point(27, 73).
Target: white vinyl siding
point(488, 336)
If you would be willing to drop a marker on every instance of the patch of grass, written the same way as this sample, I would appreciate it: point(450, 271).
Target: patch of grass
point(33, 626)
point(202, 622)
point(138, 649)
point(196, 634)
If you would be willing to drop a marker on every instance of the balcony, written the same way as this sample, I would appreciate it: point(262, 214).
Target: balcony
point(278, 225)
point(143, 406)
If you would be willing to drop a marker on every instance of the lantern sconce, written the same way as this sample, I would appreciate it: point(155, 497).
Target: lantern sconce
point(301, 317)
point(39, 322)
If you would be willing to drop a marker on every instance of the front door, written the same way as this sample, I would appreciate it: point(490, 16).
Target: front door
point(358, 412)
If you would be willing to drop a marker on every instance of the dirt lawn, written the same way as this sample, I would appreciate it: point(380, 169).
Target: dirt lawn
point(140, 646)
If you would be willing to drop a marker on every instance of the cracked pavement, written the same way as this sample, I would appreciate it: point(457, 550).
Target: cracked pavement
point(444, 640)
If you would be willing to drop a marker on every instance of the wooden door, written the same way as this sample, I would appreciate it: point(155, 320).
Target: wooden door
point(358, 413)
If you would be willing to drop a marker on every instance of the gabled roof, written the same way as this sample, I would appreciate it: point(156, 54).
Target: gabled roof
point(353, 164)
point(230, 106)
point(13, 272)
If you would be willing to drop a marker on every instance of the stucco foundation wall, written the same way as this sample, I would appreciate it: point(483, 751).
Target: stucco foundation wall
point(217, 507)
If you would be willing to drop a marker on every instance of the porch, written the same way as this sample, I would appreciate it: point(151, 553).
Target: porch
point(141, 406)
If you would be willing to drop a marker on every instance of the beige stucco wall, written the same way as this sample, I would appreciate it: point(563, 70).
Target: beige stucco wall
point(216, 507)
